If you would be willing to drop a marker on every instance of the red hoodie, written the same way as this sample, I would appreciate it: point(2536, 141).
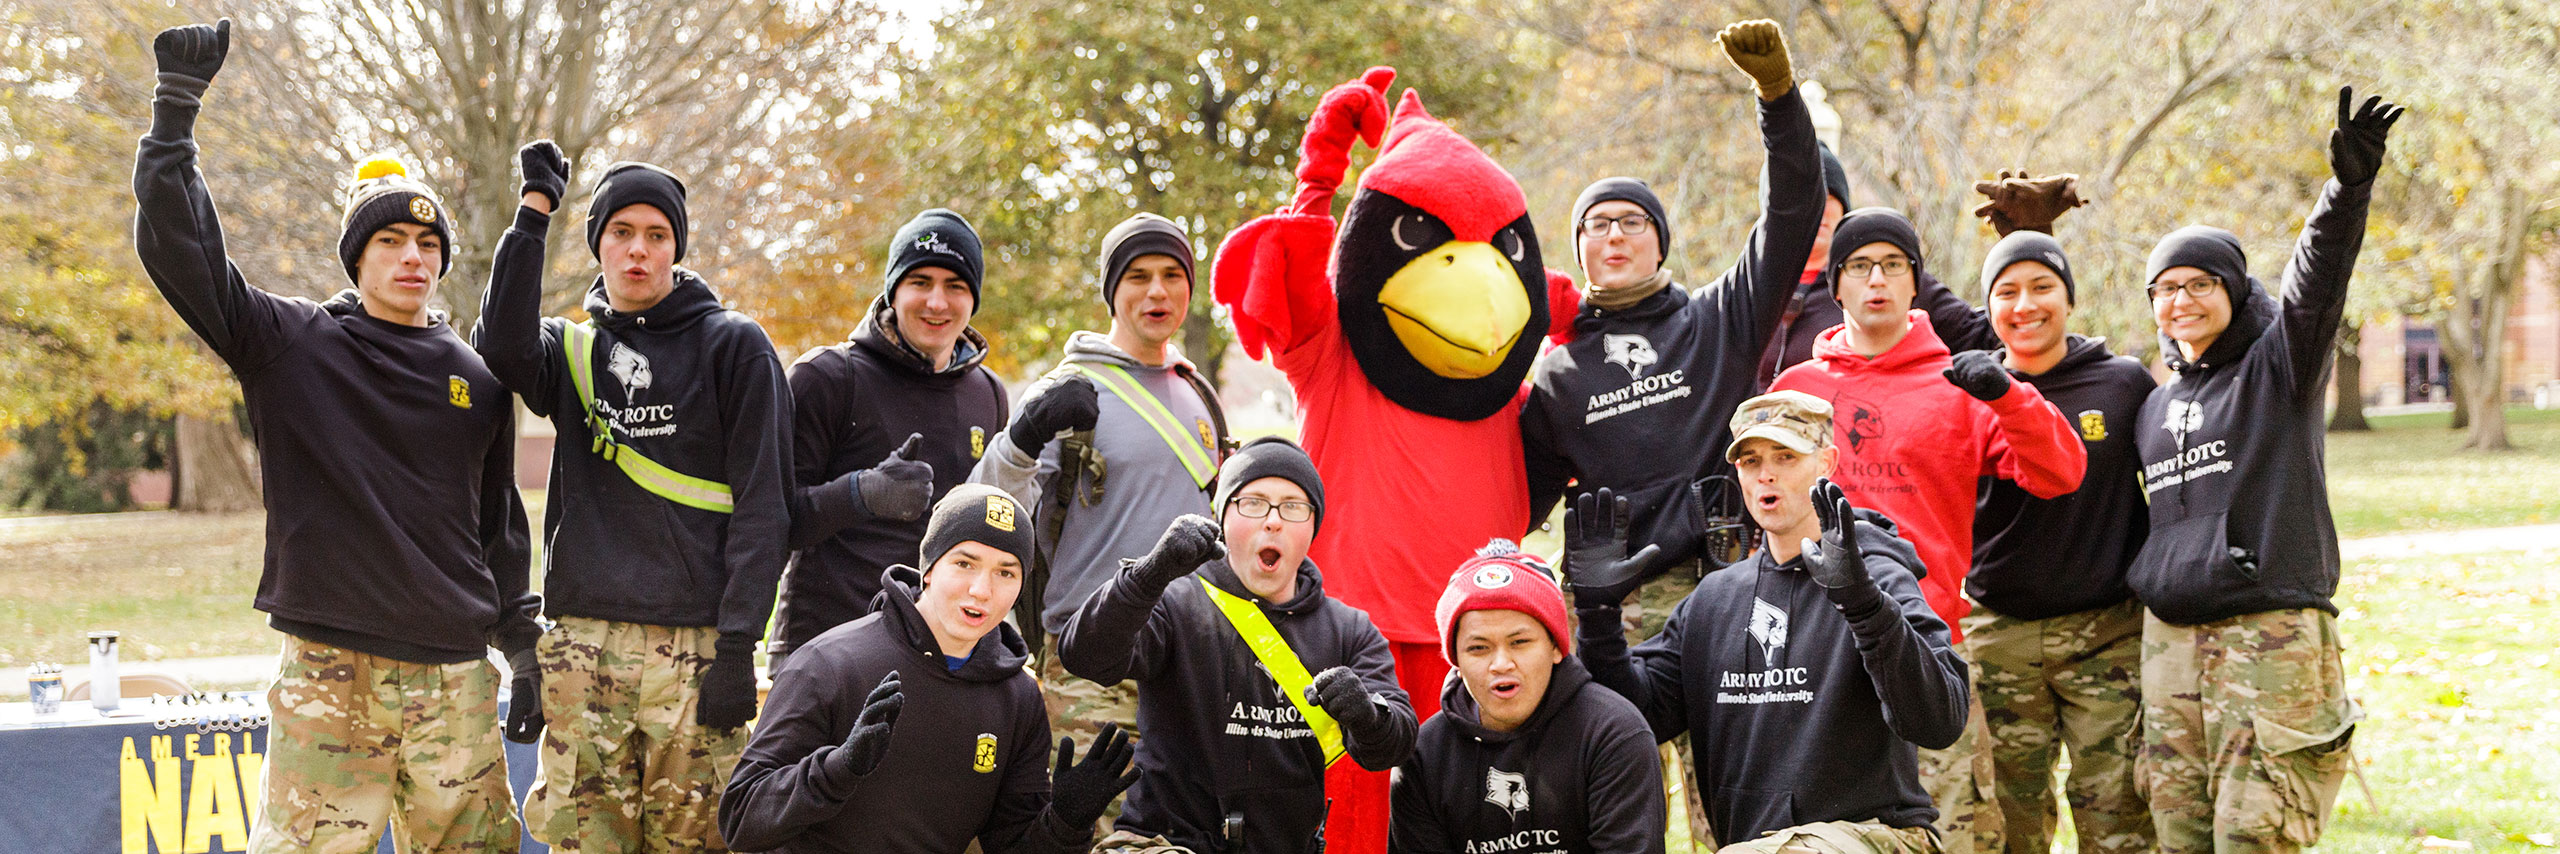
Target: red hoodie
point(1913, 446)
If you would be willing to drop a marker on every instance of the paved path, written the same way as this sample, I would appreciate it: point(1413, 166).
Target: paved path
point(2472, 541)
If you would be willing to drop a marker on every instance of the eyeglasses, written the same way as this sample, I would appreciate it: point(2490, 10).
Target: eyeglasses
point(1256, 508)
point(1631, 225)
point(2199, 288)
point(1863, 268)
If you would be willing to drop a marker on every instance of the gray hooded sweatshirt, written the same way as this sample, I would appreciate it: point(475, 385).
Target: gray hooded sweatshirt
point(1144, 484)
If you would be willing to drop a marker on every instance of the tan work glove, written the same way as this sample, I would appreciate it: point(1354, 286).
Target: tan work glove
point(1760, 50)
point(2018, 202)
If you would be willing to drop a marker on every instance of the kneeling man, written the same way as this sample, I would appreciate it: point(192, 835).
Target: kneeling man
point(1808, 674)
point(1526, 754)
point(831, 769)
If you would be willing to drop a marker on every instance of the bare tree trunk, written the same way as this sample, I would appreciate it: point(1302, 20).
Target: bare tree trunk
point(211, 468)
point(2474, 331)
point(2349, 416)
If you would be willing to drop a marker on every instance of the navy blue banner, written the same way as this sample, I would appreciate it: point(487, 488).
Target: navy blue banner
point(164, 783)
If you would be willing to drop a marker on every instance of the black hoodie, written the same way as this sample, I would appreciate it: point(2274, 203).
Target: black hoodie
point(2245, 420)
point(1219, 736)
point(852, 404)
point(694, 387)
point(1580, 776)
point(2035, 558)
point(1798, 713)
point(388, 451)
point(968, 757)
point(1665, 374)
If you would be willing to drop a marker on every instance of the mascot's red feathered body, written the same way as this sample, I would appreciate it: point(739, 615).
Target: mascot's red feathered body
point(1407, 354)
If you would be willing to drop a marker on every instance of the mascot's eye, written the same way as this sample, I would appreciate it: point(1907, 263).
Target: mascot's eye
point(1511, 245)
point(1416, 232)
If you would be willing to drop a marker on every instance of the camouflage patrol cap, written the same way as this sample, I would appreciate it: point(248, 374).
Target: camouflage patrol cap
point(1794, 419)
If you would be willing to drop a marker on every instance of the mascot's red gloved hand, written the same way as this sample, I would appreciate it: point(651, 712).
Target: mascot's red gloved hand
point(1564, 301)
point(1355, 109)
point(1271, 276)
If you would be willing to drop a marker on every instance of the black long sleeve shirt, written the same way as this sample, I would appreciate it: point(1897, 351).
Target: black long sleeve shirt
point(388, 450)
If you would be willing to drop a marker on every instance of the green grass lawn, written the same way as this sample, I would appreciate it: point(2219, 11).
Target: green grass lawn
point(2407, 475)
point(2453, 660)
point(2452, 656)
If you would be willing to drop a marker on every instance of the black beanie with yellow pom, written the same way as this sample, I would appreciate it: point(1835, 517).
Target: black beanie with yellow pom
point(383, 195)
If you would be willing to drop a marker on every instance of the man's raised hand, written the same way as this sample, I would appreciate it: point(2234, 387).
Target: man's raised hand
point(193, 50)
point(1759, 48)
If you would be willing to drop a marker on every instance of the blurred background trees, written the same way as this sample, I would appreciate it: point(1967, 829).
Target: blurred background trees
point(807, 132)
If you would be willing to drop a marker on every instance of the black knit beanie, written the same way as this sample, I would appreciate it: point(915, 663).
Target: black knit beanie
point(1270, 456)
point(383, 195)
point(1872, 225)
point(1139, 236)
point(2206, 248)
point(2032, 246)
point(1835, 178)
point(936, 238)
point(630, 183)
point(975, 512)
point(1622, 189)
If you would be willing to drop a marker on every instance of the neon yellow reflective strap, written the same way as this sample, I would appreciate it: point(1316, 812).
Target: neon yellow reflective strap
point(1276, 656)
point(579, 341)
point(1195, 459)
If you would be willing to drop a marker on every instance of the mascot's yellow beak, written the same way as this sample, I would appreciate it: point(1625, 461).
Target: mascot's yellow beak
point(1458, 308)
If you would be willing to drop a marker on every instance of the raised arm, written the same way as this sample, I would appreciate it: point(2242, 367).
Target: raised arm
point(1271, 273)
point(175, 229)
point(795, 772)
point(2314, 294)
point(1901, 643)
point(1753, 294)
point(1119, 634)
point(510, 334)
point(1601, 574)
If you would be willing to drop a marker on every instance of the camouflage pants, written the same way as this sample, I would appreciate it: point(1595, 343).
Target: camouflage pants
point(2067, 683)
point(360, 741)
point(1078, 708)
point(1643, 617)
point(1841, 837)
point(1958, 780)
point(2245, 726)
point(624, 766)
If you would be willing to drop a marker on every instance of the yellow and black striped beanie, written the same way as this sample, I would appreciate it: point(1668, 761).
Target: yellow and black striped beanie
point(383, 194)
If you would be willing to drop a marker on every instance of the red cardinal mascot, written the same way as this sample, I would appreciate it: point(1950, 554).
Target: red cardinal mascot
point(1407, 355)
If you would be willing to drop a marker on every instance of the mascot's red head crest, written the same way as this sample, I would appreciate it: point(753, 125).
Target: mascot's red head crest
point(1431, 167)
point(1437, 279)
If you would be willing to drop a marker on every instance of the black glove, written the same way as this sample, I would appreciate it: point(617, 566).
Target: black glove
point(1079, 792)
point(1596, 564)
point(1341, 694)
point(1979, 373)
point(899, 488)
point(524, 697)
point(868, 743)
point(1190, 541)
point(546, 170)
point(2355, 148)
point(1836, 563)
point(194, 50)
point(1071, 403)
point(728, 698)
